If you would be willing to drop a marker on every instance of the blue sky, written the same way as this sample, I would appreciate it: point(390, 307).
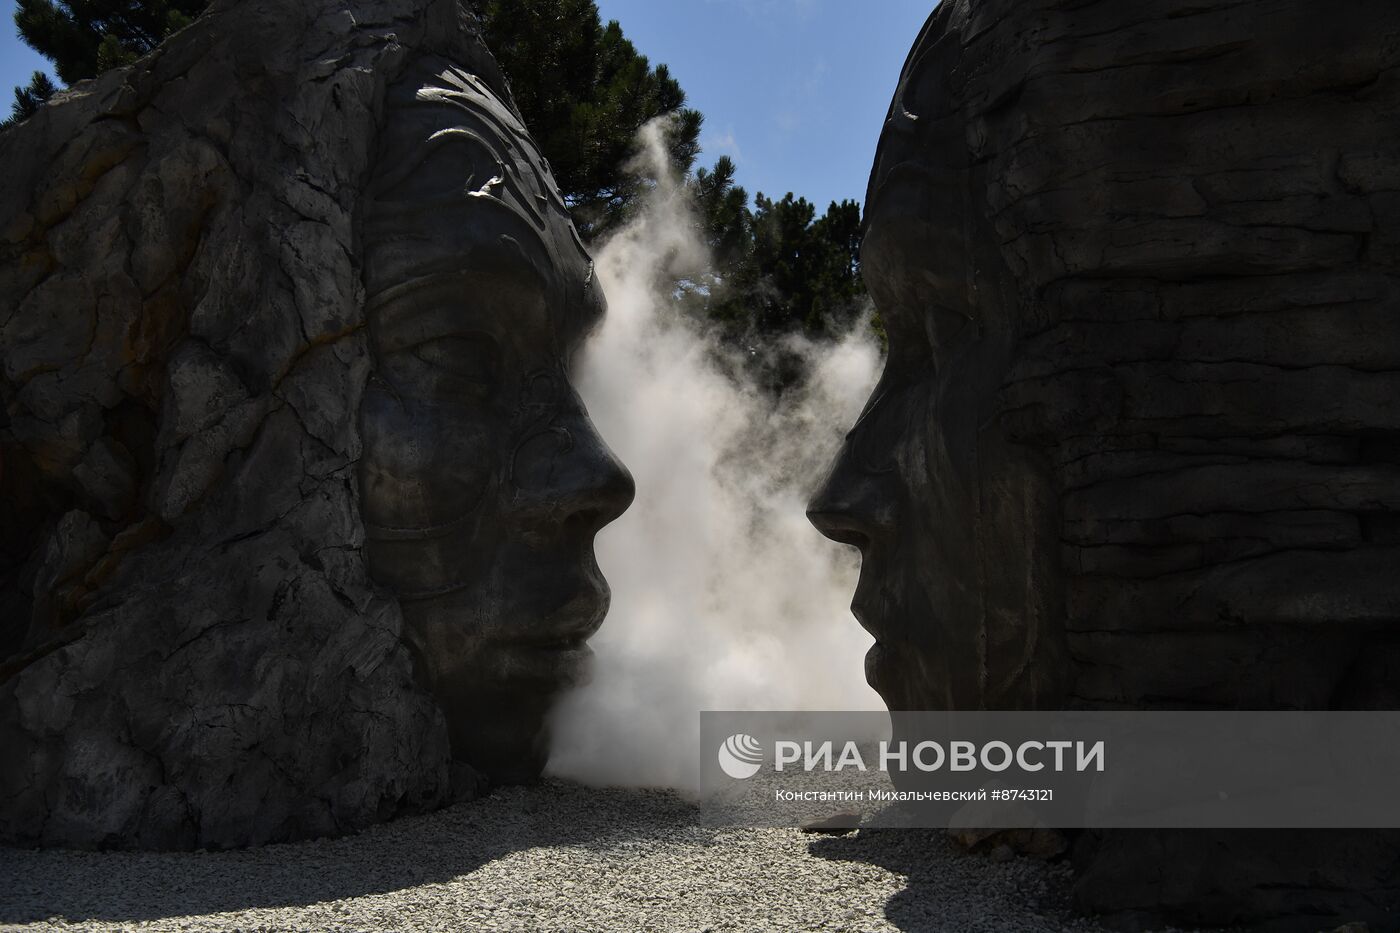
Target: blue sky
point(794, 91)
point(17, 60)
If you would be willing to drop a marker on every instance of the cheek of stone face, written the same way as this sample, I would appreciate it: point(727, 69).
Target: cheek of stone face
point(558, 464)
point(866, 503)
point(426, 463)
point(538, 461)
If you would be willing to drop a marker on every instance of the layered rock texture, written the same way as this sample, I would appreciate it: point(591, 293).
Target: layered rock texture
point(1138, 444)
point(194, 653)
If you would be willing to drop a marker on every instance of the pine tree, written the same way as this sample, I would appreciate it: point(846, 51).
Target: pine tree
point(585, 91)
point(28, 99)
point(801, 272)
point(723, 208)
point(84, 38)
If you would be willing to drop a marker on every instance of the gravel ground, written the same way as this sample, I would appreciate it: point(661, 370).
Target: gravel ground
point(557, 856)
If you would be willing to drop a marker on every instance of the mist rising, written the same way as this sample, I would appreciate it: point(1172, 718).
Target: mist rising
point(724, 597)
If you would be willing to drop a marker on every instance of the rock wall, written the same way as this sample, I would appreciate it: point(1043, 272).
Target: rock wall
point(1200, 206)
point(194, 654)
point(1138, 442)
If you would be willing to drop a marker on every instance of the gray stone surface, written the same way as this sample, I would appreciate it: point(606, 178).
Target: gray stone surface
point(193, 650)
point(1138, 441)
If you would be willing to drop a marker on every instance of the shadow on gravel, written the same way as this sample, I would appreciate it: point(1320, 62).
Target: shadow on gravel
point(948, 889)
point(37, 885)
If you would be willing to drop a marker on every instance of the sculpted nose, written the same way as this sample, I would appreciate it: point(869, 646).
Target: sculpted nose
point(565, 474)
point(601, 488)
point(849, 507)
point(583, 485)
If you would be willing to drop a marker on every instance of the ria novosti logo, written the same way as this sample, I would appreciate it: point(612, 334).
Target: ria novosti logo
point(740, 756)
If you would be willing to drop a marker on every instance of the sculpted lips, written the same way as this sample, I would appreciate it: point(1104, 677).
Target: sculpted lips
point(877, 663)
point(870, 603)
point(575, 621)
point(871, 607)
point(534, 630)
point(554, 650)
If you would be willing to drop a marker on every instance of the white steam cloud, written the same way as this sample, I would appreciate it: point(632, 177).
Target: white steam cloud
point(724, 597)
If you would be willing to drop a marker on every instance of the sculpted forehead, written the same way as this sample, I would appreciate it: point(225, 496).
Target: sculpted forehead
point(460, 190)
point(915, 253)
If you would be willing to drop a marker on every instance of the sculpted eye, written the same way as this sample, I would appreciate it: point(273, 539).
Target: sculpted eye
point(449, 368)
point(472, 358)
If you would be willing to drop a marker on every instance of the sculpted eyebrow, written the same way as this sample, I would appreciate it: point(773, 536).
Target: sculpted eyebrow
point(401, 325)
point(451, 303)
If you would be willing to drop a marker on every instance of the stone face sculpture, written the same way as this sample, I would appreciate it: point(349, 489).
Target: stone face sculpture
point(483, 481)
point(1135, 444)
point(960, 581)
point(242, 397)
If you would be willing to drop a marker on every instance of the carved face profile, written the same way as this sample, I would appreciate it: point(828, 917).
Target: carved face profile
point(482, 480)
point(1133, 405)
point(954, 523)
